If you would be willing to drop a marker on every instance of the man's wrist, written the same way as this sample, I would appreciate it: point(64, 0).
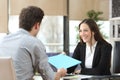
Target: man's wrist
point(58, 75)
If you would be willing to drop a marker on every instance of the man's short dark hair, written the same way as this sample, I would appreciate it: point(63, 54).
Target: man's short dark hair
point(29, 16)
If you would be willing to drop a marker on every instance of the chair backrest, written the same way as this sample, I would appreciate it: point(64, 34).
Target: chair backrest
point(7, 71)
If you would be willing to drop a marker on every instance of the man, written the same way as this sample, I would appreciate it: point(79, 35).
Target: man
point(27, 51)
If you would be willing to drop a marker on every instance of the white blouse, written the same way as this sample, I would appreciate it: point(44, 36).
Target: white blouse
point(89, 55)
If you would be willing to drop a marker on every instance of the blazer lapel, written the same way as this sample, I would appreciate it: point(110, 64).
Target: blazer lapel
point(84, 52)
point(95, 54)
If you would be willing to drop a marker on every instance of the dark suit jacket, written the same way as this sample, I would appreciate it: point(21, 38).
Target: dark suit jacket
point(101, 60)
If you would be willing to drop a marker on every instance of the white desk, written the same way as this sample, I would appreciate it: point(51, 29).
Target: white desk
point(37, 78)
point(76, 77)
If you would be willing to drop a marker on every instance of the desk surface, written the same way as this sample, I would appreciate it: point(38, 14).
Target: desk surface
point(88, 77)
point(75, 77)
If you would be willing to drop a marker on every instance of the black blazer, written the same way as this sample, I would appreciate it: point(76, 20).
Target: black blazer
point(101, 60)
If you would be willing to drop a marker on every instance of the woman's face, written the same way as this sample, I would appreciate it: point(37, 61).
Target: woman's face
point(85, 33)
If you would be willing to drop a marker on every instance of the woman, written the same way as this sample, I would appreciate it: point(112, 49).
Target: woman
point(92, 50)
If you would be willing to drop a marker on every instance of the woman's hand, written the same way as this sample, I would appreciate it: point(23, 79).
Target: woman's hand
point(77, 72)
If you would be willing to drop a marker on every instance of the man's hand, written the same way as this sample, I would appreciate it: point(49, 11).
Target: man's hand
point(60, 73)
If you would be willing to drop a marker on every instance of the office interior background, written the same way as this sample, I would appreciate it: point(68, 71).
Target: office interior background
point(58, 29)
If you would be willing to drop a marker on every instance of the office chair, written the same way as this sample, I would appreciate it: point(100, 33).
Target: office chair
point(7, 71)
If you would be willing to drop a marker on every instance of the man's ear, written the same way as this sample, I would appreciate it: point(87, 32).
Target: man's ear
point(37, 25)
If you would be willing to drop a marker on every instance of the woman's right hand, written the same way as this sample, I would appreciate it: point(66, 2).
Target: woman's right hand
point(77, 71)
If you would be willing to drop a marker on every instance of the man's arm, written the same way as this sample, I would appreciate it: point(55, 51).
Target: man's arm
point(60, 73)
